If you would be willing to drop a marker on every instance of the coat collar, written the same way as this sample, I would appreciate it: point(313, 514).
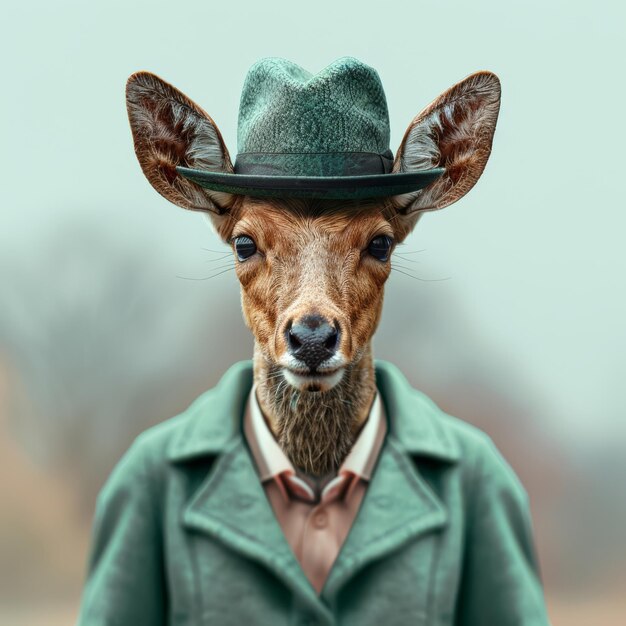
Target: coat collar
point(215, 418)
point(230, 504)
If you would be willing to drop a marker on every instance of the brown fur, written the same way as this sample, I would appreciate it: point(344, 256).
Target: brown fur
point(316, 431)
point(312, 259)
point(170, 130)
point(455, 131)
point(333, 275)
point(312, 254)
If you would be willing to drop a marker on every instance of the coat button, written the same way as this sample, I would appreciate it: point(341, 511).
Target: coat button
point(320, 519)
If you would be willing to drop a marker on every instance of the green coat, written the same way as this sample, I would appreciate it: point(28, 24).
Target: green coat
point(184, 533)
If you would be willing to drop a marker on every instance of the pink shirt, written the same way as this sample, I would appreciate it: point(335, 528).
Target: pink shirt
point(315, 529)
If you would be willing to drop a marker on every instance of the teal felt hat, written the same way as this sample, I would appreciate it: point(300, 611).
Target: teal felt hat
point(323, 135)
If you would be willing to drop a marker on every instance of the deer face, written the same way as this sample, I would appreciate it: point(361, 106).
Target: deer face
point(312, 272)
point(312, 278)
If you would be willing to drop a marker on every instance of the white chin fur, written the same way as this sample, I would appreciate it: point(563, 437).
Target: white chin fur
point(321, 383)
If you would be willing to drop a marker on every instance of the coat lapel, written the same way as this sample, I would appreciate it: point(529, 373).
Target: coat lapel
point(231, 506)
point(399, 505)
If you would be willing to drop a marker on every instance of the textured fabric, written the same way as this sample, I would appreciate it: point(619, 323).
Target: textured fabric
point(285, 108)
point(315, 518)
point(331, 188)
point(312, 127)
point(314, 163)
point(184, 533)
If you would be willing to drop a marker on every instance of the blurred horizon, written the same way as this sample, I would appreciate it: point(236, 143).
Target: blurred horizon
point(108, 323)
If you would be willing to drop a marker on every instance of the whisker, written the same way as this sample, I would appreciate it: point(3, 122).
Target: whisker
point(411, 251)
point(274, 376)
point(407, 260)
point(425, 280)
point(404, 267)
point(206, 277)
point(221, 258)
point(219, 267)
point(216, 251)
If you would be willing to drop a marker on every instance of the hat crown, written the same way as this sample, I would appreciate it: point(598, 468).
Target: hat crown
point(286, 109)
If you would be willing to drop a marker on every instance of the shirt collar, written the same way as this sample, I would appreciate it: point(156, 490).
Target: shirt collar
point(211, 422)
point(272, 462)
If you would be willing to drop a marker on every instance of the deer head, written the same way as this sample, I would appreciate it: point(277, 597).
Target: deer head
point(312, 272)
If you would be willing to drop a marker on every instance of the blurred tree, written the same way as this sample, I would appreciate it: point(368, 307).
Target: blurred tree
point(107, 342)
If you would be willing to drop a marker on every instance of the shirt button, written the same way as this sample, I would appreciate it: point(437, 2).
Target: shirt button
point(320, 519)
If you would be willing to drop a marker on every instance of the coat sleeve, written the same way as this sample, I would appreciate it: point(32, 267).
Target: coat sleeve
point(501, 583)
point(125, 581)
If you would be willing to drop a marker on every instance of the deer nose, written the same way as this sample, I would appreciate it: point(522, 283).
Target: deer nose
point(312, 340)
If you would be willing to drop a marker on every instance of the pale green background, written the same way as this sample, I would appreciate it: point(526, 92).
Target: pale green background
point(99, 337)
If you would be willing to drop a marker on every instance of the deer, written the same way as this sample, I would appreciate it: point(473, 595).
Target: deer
point(433, 527)
point(312, 271)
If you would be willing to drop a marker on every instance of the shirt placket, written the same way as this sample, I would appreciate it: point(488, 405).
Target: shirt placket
point(320, 541)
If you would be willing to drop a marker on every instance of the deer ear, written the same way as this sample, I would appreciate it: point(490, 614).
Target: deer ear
point(455, 132)
point(169, 130)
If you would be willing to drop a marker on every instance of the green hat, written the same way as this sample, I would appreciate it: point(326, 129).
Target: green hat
point(316, 136)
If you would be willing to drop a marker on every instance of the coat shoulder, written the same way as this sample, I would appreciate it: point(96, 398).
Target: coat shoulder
point(428, 432)
point(152, 448)
point(204, 428)
point(486, 456)
point(472, 441)
point(478, 457)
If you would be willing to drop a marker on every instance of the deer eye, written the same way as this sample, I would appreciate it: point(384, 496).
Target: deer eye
point(379, 247)
point(244, 247)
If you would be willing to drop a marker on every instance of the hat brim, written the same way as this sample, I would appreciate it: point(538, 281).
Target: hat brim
point(330, 187)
